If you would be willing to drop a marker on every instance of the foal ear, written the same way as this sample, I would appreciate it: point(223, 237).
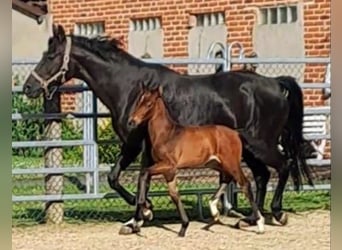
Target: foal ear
point(142, 86)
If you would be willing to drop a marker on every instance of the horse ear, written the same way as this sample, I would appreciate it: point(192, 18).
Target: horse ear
point(160, 90)
point(59, 33)
point(54, 30)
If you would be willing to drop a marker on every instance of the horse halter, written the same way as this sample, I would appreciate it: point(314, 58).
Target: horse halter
point(65, 67)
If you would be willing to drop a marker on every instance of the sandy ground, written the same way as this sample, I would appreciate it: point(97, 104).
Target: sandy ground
point(305, 231)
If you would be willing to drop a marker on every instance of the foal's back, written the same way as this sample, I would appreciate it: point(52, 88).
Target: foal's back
point(193, 146)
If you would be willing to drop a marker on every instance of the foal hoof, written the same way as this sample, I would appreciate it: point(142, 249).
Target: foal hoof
point(126, 230)
point(260, 232)
point(234, 214)
point(129, 229)
point(282, 220)
point(147, 214)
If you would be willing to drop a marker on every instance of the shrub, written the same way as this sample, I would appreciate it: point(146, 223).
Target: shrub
point(108, 152)
point(33, 129)
point(27, 130)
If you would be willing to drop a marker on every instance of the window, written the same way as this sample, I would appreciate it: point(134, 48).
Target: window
point(283, 14)
point(89, 29)
point(207, 32)
point(145, 37)
point(263, 16)
point(278, 15)
point(293, 13)
point(209, 19)
point(273, 13)
point(145, 24)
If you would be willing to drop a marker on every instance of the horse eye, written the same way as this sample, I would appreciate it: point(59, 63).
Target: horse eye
point(51, 56)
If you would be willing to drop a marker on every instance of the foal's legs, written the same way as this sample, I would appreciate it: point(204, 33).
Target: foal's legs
point(169, 173)
point(173, 192)
point(216, 197)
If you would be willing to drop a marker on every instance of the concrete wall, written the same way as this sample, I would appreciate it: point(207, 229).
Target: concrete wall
point(240, 21)
point(29, 39)
point(199, 41)
point(282, 40)
point(142, 42)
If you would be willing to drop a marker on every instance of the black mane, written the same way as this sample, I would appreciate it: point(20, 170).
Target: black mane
point(109, 49)
point(102, 46)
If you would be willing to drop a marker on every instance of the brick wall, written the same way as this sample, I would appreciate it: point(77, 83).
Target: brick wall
point(240, 18)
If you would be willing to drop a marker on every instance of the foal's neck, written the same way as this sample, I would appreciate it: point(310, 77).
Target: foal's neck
point(160, 126)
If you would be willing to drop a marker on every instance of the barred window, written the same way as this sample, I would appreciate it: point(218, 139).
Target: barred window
point(145, 24)
point(89, 29)
point(278, 15)
point(210, 19)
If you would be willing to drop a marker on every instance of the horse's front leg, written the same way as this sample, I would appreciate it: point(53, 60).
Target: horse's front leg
point(127, 156)
point(144, 205)
point(146, 162)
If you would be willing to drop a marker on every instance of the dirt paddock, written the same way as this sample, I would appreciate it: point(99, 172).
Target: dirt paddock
point(305, 231)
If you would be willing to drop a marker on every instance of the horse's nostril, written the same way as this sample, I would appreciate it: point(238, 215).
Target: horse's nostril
point(131, 123)
point(27, 87)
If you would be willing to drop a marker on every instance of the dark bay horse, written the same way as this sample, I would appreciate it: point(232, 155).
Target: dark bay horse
point(235, 99)
point(178, 147)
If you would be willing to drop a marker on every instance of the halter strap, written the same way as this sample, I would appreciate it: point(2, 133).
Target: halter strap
point(61, 72)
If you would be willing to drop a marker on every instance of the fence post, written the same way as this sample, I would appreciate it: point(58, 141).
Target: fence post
point(53, 156)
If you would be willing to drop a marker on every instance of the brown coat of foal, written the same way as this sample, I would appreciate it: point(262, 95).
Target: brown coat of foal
point(178, 147)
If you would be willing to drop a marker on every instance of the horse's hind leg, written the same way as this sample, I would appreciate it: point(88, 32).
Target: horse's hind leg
point(261, 176)
point(276, 205)
point(245, 185)
point(247, 190)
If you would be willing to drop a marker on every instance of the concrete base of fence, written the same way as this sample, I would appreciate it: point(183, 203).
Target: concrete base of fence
point(54, 212)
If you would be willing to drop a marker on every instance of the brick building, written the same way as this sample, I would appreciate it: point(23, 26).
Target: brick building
point(177, 28)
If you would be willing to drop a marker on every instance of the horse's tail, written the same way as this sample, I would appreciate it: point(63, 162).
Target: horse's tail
point(292, 136)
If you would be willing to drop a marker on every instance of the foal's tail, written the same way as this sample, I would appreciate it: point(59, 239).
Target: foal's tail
point(292, 136)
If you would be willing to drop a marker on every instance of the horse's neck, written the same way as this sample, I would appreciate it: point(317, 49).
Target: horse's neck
point(160, 126)
point(96, 72)
point(105, 80)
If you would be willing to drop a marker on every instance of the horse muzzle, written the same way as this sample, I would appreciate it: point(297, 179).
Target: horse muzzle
point(132, 124)
point(32, 91)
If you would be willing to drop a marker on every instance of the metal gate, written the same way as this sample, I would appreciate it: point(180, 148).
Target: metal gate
point(65, 156)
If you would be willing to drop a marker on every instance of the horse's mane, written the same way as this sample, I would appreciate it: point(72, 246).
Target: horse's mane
point(111, 49)
point(103, 46)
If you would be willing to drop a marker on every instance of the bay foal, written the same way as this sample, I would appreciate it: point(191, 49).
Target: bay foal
point(176, 147)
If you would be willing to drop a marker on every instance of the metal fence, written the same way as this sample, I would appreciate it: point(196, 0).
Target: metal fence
point(60, 159)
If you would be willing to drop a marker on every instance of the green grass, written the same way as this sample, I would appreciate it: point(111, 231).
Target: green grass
point(106, 210)
point(31, 213)
point(38, 162)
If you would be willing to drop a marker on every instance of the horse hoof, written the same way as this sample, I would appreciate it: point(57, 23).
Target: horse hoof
point(181, 234)
point(234, 214)
point(126, 230)
point(282, 221)
point(217, 218)
point(241, 224)
point(148, 214)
